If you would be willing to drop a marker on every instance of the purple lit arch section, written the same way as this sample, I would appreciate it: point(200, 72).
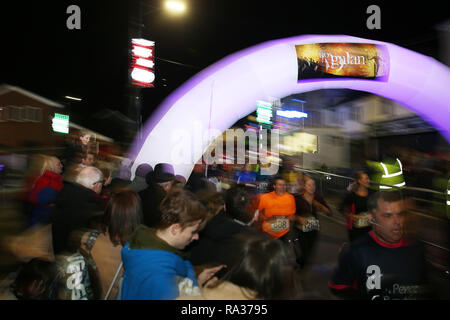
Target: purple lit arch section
point(228, 90)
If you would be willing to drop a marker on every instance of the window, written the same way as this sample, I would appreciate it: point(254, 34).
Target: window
point(15, 113)
point(385, 109)
point(356, 114)
point(4, 113)
point(33, 114)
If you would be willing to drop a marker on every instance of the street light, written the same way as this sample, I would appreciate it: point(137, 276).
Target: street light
point(175, 6)
point(73, 98)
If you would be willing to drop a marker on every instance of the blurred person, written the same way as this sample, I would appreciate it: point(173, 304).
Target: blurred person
point(246, 176)
point(308, 202)
point(35, 169)
point(138, 184)
point(35, 241)
point(159, 182)
point(290, 175)
point(36, 279)
point(388, 172)
point(75, 205)
point(87, 160)
point(226, 223)
point(77, 148)
point(241, 204)
point(181, 179)
point(78, 275)
point(121, 179)
point(197, 182)
point(45, 189)
point(107, 175)
point(107, 179)
point(154, 265)
point(177, 185)
point(103, 244)
point(263, 271)
point(276, 210)
point(354, 206)
point(382, 264)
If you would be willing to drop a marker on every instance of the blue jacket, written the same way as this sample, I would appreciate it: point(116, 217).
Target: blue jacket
point(153, 270)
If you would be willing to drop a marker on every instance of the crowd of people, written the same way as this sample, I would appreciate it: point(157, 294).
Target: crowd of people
point(95, 234)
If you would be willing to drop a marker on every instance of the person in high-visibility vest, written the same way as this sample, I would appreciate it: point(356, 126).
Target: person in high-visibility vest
point(389, 173)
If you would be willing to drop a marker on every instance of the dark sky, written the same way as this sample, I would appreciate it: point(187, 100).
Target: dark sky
point(40, 54)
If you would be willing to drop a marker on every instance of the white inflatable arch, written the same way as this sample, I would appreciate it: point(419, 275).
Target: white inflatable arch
point(226, 91)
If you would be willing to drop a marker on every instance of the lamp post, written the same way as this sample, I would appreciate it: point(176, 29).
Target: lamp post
point(174, 7)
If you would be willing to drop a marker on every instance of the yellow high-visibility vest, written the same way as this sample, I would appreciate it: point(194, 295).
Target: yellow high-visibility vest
point(389, 173)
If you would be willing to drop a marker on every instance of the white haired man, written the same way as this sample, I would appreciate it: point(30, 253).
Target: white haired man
point(75, 205)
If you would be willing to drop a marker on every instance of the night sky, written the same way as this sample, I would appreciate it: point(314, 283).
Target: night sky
point(40, 54)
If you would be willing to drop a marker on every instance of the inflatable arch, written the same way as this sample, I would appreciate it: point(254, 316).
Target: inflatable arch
point(226, 91)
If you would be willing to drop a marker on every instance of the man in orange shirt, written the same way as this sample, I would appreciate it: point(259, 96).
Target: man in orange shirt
point(277, 210)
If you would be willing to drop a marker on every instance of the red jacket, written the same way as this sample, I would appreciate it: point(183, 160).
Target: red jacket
point(48, 179)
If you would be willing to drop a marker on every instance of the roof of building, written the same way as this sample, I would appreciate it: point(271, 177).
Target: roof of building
point(6, 88)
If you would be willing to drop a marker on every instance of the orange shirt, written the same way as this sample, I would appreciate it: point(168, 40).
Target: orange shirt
point(275, 210)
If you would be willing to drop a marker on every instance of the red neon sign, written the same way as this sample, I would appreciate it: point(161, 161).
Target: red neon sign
point(142, 67)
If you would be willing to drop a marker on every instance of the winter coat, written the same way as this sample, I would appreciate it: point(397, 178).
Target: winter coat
point(153, 270)
point(44, 194)
point(75, 206)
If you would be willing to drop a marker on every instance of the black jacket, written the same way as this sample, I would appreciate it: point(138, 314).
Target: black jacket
point(220, 241)
point(151, 199)
point(75, 206)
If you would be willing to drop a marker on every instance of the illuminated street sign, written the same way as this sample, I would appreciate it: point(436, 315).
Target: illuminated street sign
point(142, 62)
point(291, 114)
point(264, 112)
point(60, 123)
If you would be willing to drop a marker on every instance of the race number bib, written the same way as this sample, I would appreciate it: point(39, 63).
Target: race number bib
point(311, 225)
point(279, 224)
point(362, 222)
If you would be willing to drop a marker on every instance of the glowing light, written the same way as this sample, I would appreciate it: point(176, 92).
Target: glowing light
point(143, 42)
point(395, 185)
point(298, 100)
point(60, 123)
point(175, 6)
point(73, 98)
point(142, 63)
point(145, 63)
point(142, 52)
point(142, 75)
point(292, 114)
point(264, 112)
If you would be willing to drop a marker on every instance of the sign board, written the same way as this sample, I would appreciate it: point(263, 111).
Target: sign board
point(142, 62)
point(342, 60)
point(60, 123)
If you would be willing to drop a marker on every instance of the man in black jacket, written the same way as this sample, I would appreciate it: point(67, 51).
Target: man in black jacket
point(221, 238)
point(159, 183)
point(77, 203)
point(383, 264)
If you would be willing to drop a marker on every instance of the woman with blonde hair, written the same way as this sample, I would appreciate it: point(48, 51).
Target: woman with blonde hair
point(44, 191)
